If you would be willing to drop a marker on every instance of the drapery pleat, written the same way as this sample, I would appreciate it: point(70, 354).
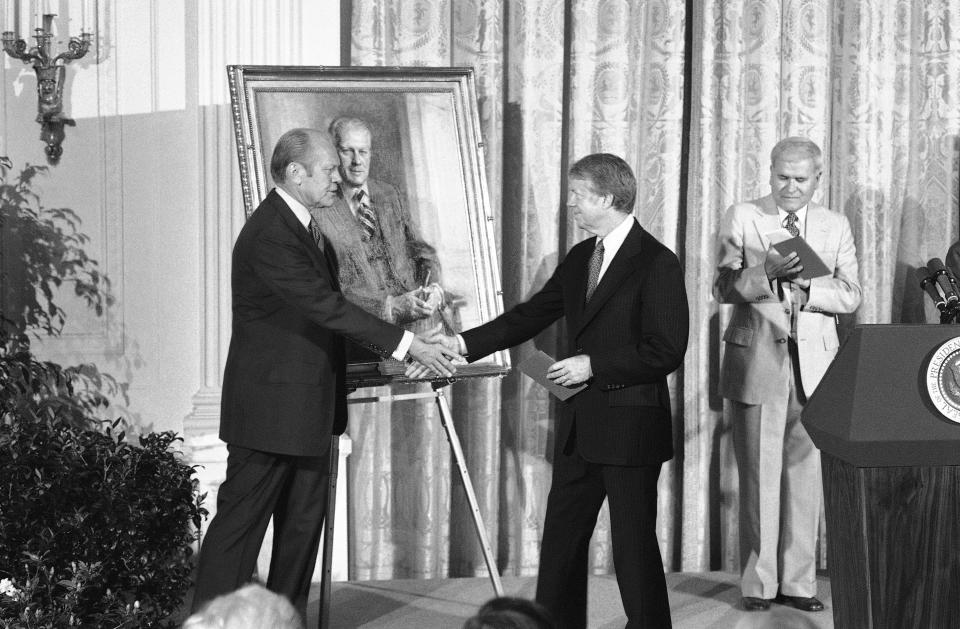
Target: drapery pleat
point(896, 115)
point(875, 84)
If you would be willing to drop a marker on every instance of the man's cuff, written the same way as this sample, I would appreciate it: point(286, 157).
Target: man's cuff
point(401, 352)
point(463, 345)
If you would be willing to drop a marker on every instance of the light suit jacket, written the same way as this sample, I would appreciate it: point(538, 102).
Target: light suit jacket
point(756, 360)
point(361, 279)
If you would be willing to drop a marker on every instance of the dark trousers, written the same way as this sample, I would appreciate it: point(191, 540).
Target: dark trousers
point(292, 489)
point(576, 496)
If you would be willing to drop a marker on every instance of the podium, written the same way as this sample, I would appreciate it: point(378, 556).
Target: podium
point(891, 477)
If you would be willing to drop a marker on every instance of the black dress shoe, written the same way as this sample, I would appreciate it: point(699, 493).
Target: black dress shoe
point(754, 604)
point(803, 603)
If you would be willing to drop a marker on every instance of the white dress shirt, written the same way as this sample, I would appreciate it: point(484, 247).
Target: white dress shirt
point(613, 241)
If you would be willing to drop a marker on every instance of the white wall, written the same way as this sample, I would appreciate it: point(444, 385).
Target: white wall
point(149, 163)
point(150, 167)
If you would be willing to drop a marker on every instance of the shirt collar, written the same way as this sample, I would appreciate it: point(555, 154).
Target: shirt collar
point(299, 209)
point(613, 240)
point(348, 192)
point(801, 214)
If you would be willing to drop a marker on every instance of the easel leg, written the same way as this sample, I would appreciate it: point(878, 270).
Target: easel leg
point(447, 421)
point(329, 519)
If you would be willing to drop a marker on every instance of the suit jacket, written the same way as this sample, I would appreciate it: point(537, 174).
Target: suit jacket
point(283, 386)
point(952, 260)
point(635, 331)
point(364, 282)
point(756, 358)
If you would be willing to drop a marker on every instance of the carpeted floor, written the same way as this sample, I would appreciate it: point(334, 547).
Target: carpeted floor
point(697, 601)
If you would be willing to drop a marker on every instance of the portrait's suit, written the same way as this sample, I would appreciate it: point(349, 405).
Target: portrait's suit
point(777, 346)
point(612, 437)
point(369, 275)
point(283, 397)
point(392, 262)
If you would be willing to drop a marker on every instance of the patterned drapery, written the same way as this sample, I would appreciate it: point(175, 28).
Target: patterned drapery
point(693, 95)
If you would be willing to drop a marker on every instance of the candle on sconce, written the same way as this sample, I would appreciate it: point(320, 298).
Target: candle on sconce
point(89, 8)
point(8, 16)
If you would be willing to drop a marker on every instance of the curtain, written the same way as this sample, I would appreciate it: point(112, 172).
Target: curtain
point(693, 95)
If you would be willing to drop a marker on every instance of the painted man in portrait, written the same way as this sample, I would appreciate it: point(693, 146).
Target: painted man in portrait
point(384, 265)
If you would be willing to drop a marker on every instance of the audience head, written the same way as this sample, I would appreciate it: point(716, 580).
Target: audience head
point(508, 612)
point(795, 167)
point(250, 607)
point(304, 164)
point(353, 138)
point(608, 175)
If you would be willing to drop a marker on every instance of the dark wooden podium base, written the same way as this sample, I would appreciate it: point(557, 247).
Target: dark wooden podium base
point(893, 543)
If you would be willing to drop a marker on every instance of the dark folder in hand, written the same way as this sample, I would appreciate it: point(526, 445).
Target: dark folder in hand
point(813, 266)
point(536, 364)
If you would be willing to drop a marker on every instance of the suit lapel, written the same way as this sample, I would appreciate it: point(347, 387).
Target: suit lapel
point(767, 221)
point(818, 228)
point(622, 266)
point(578, 261)
point(321, 258)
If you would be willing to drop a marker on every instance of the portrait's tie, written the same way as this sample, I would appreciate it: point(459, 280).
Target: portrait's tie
point(791, 224)
point(365, 215)
point(593, 270)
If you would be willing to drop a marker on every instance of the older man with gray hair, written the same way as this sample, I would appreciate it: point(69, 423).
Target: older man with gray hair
point(781, 337)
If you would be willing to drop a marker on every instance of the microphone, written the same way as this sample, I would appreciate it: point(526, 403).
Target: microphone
point(928, 284)
point(945, 281)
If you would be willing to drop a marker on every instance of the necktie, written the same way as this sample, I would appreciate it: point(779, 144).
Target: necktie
point(791, 224)
point(593, 269)
point(365, 215)
point(316, 233)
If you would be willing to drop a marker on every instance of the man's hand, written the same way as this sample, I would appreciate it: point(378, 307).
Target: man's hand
point(447, 340)
point(778, 266)
point(412, 306)
point(432, 295)
point(571, 371)
point(417, 370)
point(433, 357)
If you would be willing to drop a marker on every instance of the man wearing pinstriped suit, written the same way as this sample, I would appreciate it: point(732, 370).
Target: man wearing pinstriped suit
point(627, 325)
point(781, 338)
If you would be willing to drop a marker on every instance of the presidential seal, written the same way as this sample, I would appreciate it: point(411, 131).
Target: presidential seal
point(943, 379)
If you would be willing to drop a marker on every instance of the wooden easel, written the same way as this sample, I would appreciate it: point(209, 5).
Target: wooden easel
point(447, 421)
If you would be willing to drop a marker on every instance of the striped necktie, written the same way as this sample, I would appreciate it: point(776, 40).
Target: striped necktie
point(364, 214)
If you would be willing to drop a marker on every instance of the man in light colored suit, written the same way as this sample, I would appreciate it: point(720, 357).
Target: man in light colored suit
point(777, 346)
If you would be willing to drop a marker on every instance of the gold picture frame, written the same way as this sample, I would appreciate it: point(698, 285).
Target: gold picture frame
point(426, 143)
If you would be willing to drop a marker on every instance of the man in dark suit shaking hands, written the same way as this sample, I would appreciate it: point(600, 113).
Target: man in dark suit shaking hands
point(283, 386)
point(625, 306)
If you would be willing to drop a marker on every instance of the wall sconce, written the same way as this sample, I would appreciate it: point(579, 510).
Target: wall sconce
point(50, 76)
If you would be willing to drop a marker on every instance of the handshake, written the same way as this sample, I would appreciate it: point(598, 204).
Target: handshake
point(438, 353)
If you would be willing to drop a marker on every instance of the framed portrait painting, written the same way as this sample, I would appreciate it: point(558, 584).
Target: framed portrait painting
point(412, 228)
